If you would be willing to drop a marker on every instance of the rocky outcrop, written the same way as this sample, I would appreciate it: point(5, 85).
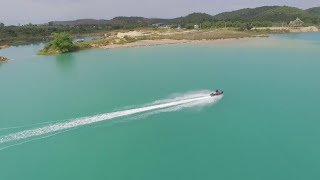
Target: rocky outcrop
point(3, 59)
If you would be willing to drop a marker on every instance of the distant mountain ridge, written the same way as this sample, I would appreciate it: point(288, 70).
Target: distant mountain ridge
point(122, 21)
point(193, 17)
point(79, 22)
point(264, 13)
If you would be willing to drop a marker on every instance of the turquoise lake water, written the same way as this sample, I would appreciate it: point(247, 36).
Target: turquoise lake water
point(55, 120)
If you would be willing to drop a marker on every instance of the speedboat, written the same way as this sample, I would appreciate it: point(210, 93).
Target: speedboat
point(217, 93)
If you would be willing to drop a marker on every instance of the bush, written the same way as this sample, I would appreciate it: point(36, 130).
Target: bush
point(174, 26)
point(189, 26)
point(206, 25)
point(249, 26)
point(220, 24)
point(82, 45)
point(62, 42)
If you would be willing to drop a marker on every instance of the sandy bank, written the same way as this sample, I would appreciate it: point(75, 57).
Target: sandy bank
point(169, 36)
point(4, 46)
point(144, 43)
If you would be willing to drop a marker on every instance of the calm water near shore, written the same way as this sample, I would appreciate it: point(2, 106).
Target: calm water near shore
point(266, 126)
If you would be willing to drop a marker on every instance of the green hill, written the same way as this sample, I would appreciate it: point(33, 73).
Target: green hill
point(192, 18)
point(78, 22)
point(285, 14)
point(242, 14)
point(159, 20)
point(269, 13)
point(314, 11)
point(126, 21)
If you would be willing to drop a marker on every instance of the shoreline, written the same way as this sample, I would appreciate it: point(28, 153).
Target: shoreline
point(144, 43)
point(147, 43)
point(290, 30)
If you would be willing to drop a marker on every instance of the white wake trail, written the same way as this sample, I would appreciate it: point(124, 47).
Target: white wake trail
point(175, 104)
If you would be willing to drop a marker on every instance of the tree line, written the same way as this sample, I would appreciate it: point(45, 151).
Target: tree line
point(225, 24)
point(18, 34)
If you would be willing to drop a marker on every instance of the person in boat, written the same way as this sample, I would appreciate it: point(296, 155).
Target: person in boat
point(217, 93)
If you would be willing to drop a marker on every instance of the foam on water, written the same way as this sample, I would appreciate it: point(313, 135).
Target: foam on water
point(201, 98)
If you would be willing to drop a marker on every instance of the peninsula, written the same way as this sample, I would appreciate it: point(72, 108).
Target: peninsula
point(3, 59)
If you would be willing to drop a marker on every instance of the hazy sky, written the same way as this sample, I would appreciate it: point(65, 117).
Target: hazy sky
point(41, 11)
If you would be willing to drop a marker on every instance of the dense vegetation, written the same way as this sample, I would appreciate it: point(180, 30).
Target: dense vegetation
point(269, 13)
point(62, 43)
point(242, 14)
point(274, 14)
point(128, 21)
point(314, 11)
point(20, 34)
point(192, 18)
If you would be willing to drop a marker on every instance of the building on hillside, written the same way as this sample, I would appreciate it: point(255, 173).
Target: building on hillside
point(296, 23)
